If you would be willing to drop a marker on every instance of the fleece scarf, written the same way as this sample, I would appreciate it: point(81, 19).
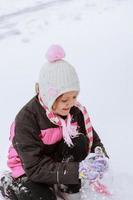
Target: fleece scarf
point(68, 130)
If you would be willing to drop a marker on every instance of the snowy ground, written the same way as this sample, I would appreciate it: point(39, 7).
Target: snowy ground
point(98, 38)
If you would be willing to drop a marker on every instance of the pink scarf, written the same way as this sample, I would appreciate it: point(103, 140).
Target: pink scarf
point(68, 130)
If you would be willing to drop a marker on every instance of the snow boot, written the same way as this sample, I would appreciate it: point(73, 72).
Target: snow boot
point(6, 186)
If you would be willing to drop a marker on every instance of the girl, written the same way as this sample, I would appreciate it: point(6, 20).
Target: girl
point(50, 136)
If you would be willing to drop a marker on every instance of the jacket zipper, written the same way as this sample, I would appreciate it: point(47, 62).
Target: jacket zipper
point(58, 174)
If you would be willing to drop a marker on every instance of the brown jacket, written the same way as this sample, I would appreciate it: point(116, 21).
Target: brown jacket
point(37, 158)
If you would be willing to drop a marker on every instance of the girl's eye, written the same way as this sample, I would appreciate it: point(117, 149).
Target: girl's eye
point(64, 101)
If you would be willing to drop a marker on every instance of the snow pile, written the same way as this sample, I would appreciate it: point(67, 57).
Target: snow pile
point(119, 184)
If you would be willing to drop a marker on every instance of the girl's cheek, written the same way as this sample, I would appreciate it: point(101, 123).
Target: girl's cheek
point(63, 105)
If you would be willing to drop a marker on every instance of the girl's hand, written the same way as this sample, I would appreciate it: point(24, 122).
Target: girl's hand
point(99, 165)
point(93, 166)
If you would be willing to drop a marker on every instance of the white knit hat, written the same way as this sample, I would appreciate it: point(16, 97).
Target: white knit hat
point(56, 76)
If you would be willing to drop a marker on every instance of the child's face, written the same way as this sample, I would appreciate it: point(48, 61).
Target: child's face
point(64, 103)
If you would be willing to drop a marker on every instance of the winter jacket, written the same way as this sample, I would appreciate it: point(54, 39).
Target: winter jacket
point(34, 142)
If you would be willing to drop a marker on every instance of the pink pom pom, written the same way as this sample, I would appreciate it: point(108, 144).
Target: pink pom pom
point(54, 53)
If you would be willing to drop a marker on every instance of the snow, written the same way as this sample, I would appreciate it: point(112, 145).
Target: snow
point(97, 36)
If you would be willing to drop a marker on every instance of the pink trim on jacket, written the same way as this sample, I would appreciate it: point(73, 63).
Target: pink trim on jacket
point(48, 136)
point(53, 135)
point(14, 162)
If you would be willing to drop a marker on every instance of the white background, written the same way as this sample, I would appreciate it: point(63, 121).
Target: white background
point(97, 36)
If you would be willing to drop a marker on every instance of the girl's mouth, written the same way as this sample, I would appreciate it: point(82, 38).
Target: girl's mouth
point(66, 109)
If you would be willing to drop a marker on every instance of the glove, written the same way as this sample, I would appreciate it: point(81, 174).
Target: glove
point(92, 169)
point(85, 172)
point(99, 165)
point(94, 165)
point(98, 162)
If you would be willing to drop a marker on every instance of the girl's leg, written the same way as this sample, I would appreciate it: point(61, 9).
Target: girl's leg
point(41, 191)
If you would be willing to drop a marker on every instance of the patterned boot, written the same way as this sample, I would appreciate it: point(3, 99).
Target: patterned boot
point(6, 186)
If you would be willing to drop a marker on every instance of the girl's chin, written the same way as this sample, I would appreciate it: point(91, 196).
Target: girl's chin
point(63, 112)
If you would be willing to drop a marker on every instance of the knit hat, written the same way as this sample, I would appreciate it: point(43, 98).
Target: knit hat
point(56, 76)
